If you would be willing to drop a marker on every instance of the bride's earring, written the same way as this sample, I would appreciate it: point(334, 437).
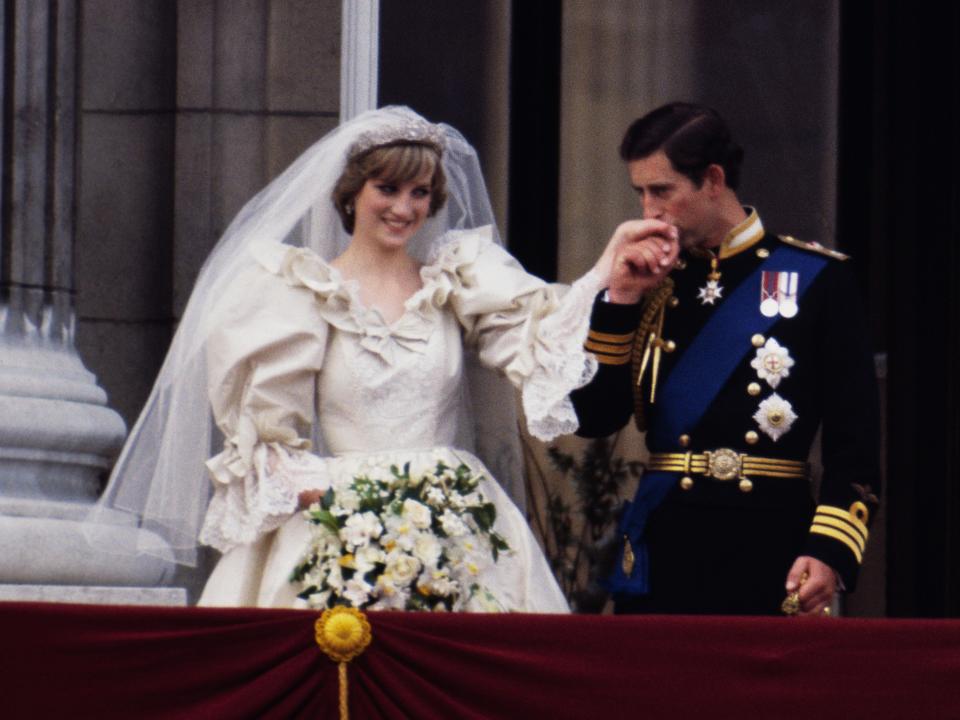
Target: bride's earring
point(349, 209)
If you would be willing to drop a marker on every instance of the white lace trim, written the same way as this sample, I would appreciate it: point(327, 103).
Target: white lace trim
point(338, 301)
point(561, 362)
point(248, 505)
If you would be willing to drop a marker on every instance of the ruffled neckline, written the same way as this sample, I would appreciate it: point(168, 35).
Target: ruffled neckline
point(339, 300)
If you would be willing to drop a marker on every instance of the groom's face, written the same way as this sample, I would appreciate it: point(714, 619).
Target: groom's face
point(672, 197)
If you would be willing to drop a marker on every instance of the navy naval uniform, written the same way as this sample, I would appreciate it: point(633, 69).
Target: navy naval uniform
point(730, 366)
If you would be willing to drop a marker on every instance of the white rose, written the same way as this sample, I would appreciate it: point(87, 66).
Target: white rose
point(436, 496)
point(390, 596)
point(366, 557)
point(349, 500)
point(417, 513)
point(402, 568)
point(452, 525)
point(360, 528)
point(400, 531)
point(427, 549)
point(441, 584)
point(357, 591)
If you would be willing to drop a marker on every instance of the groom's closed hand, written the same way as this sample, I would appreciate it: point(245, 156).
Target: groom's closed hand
point(645, 255)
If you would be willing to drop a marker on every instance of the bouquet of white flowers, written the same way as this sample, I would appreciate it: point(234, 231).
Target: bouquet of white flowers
point(401, 542)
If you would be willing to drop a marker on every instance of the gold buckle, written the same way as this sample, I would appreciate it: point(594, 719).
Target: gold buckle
point(724, 464)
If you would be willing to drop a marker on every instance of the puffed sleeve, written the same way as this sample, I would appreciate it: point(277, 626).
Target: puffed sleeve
point(262, 362)
point(532, 331)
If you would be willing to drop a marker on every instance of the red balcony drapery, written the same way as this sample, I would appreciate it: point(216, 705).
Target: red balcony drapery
point(111, 662)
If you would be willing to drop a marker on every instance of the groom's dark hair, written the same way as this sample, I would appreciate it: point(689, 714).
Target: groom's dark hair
point(693, 137)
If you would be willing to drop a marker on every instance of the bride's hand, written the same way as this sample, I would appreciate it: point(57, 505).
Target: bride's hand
point(309, 497)
point(639, 254)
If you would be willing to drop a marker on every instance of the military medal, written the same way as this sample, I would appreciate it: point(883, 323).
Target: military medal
point(778, 293)
point(712, 291)
point(769, 306)
point(788, 294)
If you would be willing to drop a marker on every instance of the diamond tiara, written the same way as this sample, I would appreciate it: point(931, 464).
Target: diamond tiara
point(408, 130)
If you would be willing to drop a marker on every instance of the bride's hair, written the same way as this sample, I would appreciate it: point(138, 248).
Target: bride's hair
point(394, 163)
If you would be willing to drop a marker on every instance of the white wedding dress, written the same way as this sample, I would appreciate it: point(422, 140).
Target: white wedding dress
point(299, 344)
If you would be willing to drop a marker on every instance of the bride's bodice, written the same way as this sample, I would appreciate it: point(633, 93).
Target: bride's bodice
point(405, 398)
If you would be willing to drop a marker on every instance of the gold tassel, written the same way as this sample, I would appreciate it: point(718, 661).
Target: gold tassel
point(342, 633)
point(344, 694)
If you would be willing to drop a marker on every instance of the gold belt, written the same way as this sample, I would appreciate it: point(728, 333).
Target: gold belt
point(726, 464)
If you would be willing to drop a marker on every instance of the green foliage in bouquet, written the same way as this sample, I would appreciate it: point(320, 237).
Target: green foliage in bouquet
point(401, 542)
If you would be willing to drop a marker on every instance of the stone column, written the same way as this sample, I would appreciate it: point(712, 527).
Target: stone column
point(57, 435)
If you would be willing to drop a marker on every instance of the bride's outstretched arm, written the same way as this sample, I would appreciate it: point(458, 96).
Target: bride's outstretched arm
point(532, 331)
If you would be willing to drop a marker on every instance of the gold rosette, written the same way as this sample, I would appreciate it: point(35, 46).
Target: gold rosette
point(342, 633)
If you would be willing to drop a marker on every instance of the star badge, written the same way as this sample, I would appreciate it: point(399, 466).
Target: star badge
point(775, 416)
point(772, 363)
point(709, 294)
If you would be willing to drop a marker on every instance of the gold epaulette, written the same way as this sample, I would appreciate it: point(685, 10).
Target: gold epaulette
point(812, 247)
point(846, 526)
point(651, 320)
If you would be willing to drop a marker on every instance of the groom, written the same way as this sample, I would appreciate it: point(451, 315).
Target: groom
point(730, 347)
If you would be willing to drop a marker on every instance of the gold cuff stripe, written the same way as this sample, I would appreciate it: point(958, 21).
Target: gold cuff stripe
point(626, 339)
point(837, 535)
point(611, 359)
point(607, 348)
point(843, 527)
point(844, 515)
point(842, 524)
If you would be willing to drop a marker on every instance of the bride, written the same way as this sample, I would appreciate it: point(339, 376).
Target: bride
point(337, 330)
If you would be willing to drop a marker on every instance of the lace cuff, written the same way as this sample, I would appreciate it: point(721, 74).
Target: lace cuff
point(251, 499)
point(561, 362)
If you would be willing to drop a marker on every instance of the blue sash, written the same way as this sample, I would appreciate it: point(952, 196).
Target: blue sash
point(693, 384)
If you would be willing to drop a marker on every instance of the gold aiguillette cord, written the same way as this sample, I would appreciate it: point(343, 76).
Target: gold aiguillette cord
point(658, 348)
point(654, 347)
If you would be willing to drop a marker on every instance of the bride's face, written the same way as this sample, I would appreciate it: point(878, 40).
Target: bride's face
point(390, 213)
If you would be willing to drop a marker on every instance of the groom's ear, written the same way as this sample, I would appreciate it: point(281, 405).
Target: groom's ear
point(714, 180)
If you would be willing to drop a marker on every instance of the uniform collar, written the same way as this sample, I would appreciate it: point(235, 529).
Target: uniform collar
point(743, 236)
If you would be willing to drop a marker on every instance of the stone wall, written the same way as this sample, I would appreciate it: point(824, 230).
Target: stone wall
point(187, 109)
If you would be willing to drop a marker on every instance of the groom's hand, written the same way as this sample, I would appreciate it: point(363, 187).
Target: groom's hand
point(645, 254)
